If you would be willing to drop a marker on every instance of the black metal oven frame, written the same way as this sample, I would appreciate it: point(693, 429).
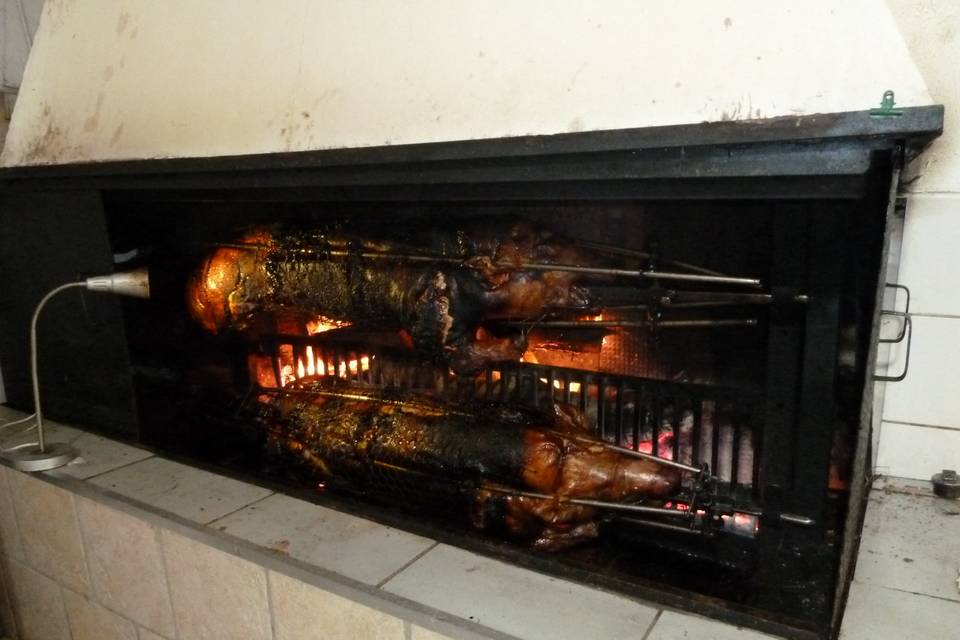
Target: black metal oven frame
point(54, 216)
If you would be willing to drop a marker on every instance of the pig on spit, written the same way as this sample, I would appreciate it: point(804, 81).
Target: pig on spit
point(440, 294)
point(519, 468)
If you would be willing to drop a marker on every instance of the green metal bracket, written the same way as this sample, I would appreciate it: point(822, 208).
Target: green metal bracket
point(886, 109)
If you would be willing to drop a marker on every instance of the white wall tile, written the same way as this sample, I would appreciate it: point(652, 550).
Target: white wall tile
point(126, 565)
point(302, 611)
point(49, 530)
point(9, 530)
point(146, 634)
point(928, 259)
point(419, 633)
point(8, 624)
point(215, 595)
point(929, 394)
point(90, 621)
point(37, 603)
point(909, 451)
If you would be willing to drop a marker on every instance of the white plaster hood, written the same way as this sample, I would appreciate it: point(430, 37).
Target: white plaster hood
point(118, 79)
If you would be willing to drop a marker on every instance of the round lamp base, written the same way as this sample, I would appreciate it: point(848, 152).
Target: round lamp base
point(31, 459)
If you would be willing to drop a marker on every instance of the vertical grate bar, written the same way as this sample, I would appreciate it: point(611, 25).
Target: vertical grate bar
point(715, 443)
point(676, 424)
point(602, 408)
point(637, 413)
point(735, 452)
point(551, 386)
point(620, 413)
point(655, 427)
point(697, 433)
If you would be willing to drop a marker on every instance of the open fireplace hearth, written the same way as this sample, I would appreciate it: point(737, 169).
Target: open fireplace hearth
point(693, 306)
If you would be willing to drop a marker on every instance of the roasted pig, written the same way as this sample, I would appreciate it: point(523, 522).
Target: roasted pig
point(440, 294)
point(519, 469)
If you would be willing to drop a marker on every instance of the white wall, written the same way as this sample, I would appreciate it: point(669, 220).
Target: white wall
point(112, 79)
point(920, 432)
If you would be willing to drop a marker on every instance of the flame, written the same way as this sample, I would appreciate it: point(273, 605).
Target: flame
point(323, 323)
point(300, 369)
point(311, 363)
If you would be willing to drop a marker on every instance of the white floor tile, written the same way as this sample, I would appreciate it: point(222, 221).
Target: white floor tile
point(185, 491)
point(877, 613)
point(516, 601)
point(910, 451)
point(673, 625)
point(928, 395)
point(348, 545)
point(911, 543)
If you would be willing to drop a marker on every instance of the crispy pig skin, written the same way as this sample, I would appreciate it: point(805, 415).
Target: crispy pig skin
point(441, 304)
point(343, 432)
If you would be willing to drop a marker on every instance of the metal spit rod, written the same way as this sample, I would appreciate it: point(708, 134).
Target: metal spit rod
point(644, 255)
point(532, 266)
point(660, 324)
point(662, 525)
point(586, 502)
point(630, 452)
point(348, 395)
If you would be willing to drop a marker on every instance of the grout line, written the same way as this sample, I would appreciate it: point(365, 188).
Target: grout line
point(83, 546)
point(923, 425)
point(946, 316)
point(656, 619)
point(7, 584)
point(162, 543)
point(122, 466)
point(66, 614)
point(273, 622)
point(407, 630)
point(913, 593)
point(405, 566)
point(8, 481)
point(930, 192)
point(241, 508)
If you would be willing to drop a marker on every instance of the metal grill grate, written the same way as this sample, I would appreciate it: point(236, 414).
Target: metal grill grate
point(691, 423)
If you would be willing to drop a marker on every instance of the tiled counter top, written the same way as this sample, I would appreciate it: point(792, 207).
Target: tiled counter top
point(125, 544)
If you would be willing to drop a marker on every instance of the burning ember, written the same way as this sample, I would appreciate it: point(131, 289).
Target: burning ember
point(313, 365)
point(320, 324)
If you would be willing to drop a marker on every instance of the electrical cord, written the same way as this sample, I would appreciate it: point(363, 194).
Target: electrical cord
point(20, 421)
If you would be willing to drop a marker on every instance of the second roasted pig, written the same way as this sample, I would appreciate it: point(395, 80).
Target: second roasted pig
point(499, 453)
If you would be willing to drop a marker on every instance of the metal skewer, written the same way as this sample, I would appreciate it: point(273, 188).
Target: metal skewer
point(587, 502)
point(628, 452)
point(660, 324)
point(644, 255)
point(532, 266)
point(348, 395)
